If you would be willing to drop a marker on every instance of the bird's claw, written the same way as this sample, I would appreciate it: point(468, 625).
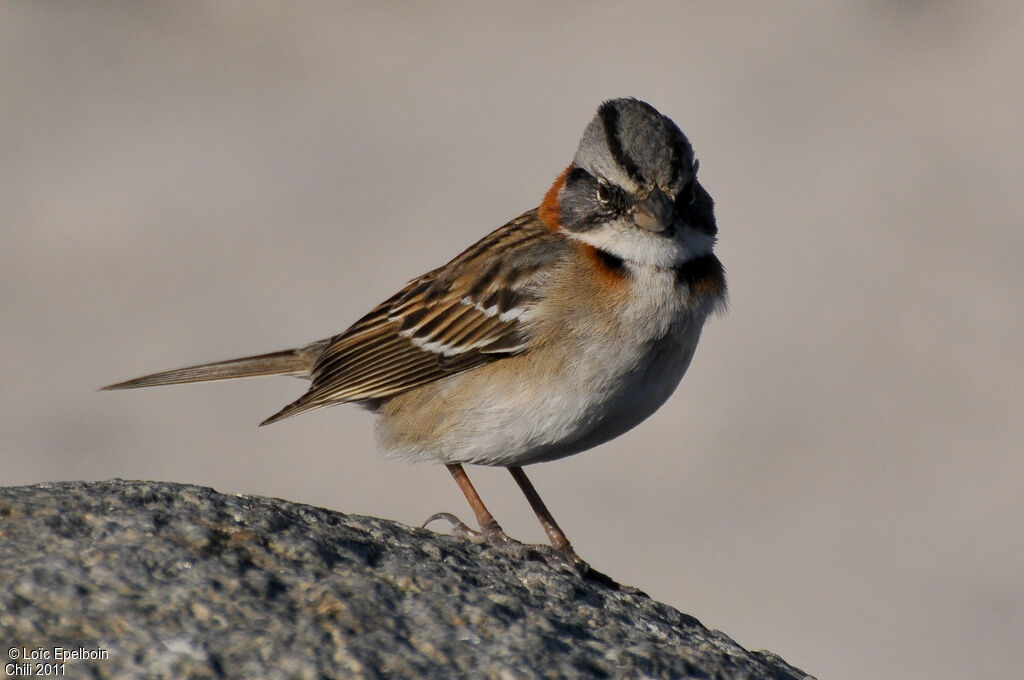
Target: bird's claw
point(459, 528)
point(560, 558)
point(493, 536)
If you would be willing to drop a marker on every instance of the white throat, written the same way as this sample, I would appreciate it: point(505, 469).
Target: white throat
point(640, 247)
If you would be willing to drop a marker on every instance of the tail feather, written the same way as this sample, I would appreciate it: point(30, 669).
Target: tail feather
point(298, 362)
point(300, 405)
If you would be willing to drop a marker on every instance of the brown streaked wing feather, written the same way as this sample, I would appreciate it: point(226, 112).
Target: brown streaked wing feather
point(453, 319)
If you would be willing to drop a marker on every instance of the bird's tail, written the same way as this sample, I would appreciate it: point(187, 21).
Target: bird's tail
point(297, 362)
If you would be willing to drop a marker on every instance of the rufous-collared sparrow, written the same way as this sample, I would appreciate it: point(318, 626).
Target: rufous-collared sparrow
point(555, 333)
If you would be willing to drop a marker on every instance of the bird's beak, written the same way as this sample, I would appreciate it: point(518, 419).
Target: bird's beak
point(655, 213)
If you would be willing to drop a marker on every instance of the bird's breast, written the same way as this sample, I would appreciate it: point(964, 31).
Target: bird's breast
point(604, 363)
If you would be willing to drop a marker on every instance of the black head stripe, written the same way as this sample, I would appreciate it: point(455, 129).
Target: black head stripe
point(610, 118)
point(577, 174)
point(696, 208)
point(678, 156)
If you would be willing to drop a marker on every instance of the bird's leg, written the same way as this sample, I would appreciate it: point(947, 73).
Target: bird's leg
point(555, 534)
point(561, 554)
point(490, 531)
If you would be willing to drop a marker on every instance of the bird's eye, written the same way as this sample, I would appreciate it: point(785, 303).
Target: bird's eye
point(604, 192)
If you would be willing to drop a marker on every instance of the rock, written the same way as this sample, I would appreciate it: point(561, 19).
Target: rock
point(156, 580)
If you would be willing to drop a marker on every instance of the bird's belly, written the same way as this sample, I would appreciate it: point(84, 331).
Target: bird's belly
point(538, 414)
point(640, 393)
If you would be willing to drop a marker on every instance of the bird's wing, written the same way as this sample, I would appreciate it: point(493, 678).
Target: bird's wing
point(472, 311)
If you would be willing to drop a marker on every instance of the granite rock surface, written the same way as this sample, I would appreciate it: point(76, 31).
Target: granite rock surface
point(164, 580)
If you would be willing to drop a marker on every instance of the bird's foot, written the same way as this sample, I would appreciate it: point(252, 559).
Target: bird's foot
point(492, 535)
point(459, 528)
point(564, 557)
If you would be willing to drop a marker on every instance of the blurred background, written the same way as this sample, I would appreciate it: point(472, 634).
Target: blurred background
point(838, 479)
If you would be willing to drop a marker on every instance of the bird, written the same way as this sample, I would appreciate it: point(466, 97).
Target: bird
point(554, 333)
